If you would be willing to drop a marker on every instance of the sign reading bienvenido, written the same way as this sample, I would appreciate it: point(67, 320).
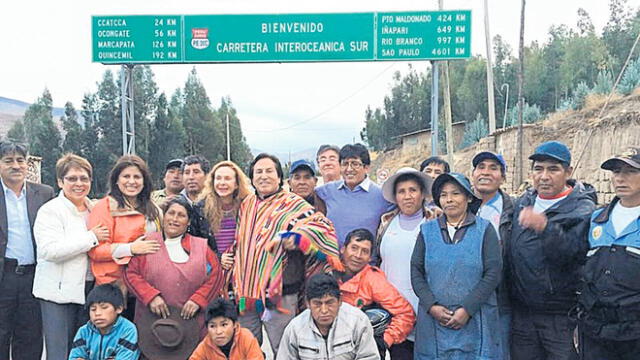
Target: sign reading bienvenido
point(417, 35)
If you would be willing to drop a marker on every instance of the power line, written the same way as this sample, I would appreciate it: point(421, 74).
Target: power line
point(326, 110)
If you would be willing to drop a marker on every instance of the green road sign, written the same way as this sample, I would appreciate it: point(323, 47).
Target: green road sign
point(422, 35)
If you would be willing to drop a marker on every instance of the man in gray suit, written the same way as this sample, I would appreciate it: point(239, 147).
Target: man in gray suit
point(20, 319)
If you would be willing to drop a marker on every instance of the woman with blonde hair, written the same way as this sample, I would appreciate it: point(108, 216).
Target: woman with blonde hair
point(217, 210)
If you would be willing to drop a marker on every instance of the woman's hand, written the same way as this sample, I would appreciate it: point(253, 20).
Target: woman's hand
point(142, 246)
point(159, 307)
point(189, 309)
point(226, 261)
point(459, 319)
point(441, 314)
point(101, 232)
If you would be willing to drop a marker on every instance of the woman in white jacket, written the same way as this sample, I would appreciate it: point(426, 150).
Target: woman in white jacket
point(62, 270)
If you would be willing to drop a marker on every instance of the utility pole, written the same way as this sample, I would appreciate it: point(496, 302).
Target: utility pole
point(448, 128)
point(434, 108)
point(126, 106)
point(520, 98)
point(228, 137)
point(490, 98)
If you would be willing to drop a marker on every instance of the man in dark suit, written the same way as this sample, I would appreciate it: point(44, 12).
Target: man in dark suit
point(20, 319)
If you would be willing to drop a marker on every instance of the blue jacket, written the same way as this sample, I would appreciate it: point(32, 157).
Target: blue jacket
point(120, 343)
point(610, 296)
point(543, 270)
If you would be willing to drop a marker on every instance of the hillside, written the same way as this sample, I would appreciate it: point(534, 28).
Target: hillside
point(12, 110)
point(617, 129)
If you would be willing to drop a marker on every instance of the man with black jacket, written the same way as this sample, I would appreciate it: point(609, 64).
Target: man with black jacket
point(547, 248)
point(609, 302)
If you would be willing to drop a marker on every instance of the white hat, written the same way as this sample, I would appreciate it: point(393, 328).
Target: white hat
point(388, 188)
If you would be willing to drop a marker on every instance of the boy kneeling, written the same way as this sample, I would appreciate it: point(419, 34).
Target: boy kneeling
point(225, 338)
point(107, 335)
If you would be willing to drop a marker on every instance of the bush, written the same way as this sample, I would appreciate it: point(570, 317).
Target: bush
point(630, 79)
point(474, 131)
point(604, 83)
point(530, 114)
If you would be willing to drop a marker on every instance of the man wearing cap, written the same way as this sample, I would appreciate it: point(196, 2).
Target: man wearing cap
point(302, 181)
point(489, 173)
point(609, 302)
point(544, 256)
point(172, 182)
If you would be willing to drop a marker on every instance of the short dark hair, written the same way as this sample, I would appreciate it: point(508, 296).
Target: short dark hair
point(436, 160)
point(564, 165)
point(179, 200)
point(355, 151)
point(327, 147)
point(105, 293)
point(361, 234)
point(272, 158)
point(9, 147)
point(320, 285)
point(196, 159)
point(409, 177)
point(221, 307)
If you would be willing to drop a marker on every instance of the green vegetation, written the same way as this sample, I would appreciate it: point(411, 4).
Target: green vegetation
point(559, 75)
point(187, 124)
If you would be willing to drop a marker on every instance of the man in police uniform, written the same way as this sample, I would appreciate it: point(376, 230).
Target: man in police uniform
point(609, 303)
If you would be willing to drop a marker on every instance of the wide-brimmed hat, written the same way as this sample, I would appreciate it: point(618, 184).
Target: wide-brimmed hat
point(461, 181)
point(630, 157)
point(172, 338)
point(388, 188)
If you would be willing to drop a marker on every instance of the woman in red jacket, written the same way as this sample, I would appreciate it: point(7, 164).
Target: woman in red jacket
point(184, 274)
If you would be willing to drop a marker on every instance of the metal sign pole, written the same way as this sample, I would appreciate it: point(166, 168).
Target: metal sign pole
point(434, 108)
point(127, 111)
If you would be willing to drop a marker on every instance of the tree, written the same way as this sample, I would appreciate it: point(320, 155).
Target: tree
point(474, 131)
point(43, 136)
point(72, 130)
point(167, 138)
point(16, 133)
point(145, 94)
point(202, 126)
point(240, 152)
point(631, 78)
point(471, 93)
point(585, 24)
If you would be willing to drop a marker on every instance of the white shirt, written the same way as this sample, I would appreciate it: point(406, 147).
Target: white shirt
point(541, 205)
point(491, 211)
point(176, 251)
point(622, 216)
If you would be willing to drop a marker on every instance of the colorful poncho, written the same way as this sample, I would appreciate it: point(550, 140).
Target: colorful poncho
point(260, 255)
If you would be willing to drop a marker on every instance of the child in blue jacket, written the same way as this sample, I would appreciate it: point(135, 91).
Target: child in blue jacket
point(107, 335)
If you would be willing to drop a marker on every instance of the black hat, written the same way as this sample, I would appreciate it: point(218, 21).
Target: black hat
point(461, 181)
point(174, 163)
point(630, 157)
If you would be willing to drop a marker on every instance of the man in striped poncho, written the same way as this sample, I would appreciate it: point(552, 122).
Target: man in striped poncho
point(281, 241)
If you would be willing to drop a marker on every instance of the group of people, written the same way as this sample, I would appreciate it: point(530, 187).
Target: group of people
point(429, 265)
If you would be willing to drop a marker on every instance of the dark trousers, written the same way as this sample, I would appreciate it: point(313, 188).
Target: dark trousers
point(600, 349)
point(537, 336)
point(402, 351)
point(20, 319)
point(60, 322)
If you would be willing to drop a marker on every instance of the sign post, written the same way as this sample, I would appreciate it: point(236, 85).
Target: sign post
point(263, 38)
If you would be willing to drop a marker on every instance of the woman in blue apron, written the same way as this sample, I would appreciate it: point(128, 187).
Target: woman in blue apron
point(455, 270)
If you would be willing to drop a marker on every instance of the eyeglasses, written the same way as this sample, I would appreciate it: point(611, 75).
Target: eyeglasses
point(82, 179)
point(355, 165)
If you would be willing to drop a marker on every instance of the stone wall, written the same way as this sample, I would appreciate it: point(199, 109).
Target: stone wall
point(592, 140)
